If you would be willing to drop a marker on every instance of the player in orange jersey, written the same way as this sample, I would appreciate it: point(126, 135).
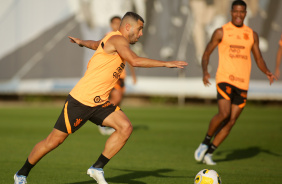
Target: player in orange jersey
point(88, 100)
point(235, 41)
point(117, 92)
point(278, 59)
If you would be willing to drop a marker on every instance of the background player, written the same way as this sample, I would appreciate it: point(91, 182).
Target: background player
point(278, 59)
point(235, 41)
point(88, 100)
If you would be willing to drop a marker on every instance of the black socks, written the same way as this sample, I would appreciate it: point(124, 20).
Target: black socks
point(101, 162)
point(25, 169)
point(207, 140)
point(211, 149)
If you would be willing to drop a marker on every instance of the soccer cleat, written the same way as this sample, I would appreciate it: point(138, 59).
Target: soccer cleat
point(208, 159)
point(19, 179)
point(97, 174)
point(200, 152)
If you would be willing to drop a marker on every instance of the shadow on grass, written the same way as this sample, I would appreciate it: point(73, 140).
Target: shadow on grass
point(131, 176)
point(140, 127)
point(243, 153)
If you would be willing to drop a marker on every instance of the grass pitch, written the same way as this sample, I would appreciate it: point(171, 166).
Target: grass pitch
point(160, 150)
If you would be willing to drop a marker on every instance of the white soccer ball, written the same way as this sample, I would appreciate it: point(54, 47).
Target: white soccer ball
point(207, 176)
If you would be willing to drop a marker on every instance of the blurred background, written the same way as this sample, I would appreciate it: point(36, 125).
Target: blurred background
point(37, 58)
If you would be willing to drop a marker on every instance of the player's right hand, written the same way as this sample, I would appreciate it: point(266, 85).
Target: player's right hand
point(206, 78)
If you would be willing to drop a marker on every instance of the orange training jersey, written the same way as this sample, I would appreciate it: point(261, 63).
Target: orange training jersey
point(103, 71)
point(234, 50)
point(123, 74)
point(280, 42)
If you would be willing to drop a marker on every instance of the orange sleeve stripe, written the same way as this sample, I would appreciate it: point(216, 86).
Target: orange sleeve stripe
point(222, 93)
point(67, 121)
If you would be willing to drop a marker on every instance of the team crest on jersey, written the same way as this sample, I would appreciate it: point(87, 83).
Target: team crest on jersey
point(97, 99)
point(246, 36)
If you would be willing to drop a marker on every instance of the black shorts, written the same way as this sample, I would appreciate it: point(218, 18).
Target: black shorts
point(75, 114)
point(229, 92)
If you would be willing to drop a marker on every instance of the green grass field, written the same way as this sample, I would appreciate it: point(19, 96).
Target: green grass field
point(160, 150)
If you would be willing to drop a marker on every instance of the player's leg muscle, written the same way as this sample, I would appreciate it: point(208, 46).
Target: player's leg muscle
point(119, 121)
point(224, 107)
point(53, 140)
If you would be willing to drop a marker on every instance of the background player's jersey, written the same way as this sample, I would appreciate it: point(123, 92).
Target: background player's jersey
point(103, 71)
point(234, 52)
point(280, 42)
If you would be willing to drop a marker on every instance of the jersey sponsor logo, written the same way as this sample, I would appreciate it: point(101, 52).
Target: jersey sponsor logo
point(234, 78)
point(97, 99)
point(78, 121)
point(118, 71)
point(237, 47)
point(235, 50)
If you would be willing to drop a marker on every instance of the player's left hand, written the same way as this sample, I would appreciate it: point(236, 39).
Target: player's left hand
point(75, 40)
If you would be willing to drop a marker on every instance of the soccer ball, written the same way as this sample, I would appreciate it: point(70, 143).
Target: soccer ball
point(207, 176)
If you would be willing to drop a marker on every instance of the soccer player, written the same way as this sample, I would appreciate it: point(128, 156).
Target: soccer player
point(115, 23)
point(88, 100)
point(235, 41)
point(278, 59)
point(117, 92)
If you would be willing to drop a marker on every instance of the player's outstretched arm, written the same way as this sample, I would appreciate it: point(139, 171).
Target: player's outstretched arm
point(260, 61)
point(91, 44)
point(121, 45)
point(215, 40)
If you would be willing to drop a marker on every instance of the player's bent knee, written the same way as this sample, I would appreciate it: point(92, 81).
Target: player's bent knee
point(126, 129)
point(52, 144)
point(224, 114)
point(232, 122)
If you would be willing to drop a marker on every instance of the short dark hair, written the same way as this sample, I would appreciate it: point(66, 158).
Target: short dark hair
point(133, 15)
point(115, 17)
point(238, 2)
